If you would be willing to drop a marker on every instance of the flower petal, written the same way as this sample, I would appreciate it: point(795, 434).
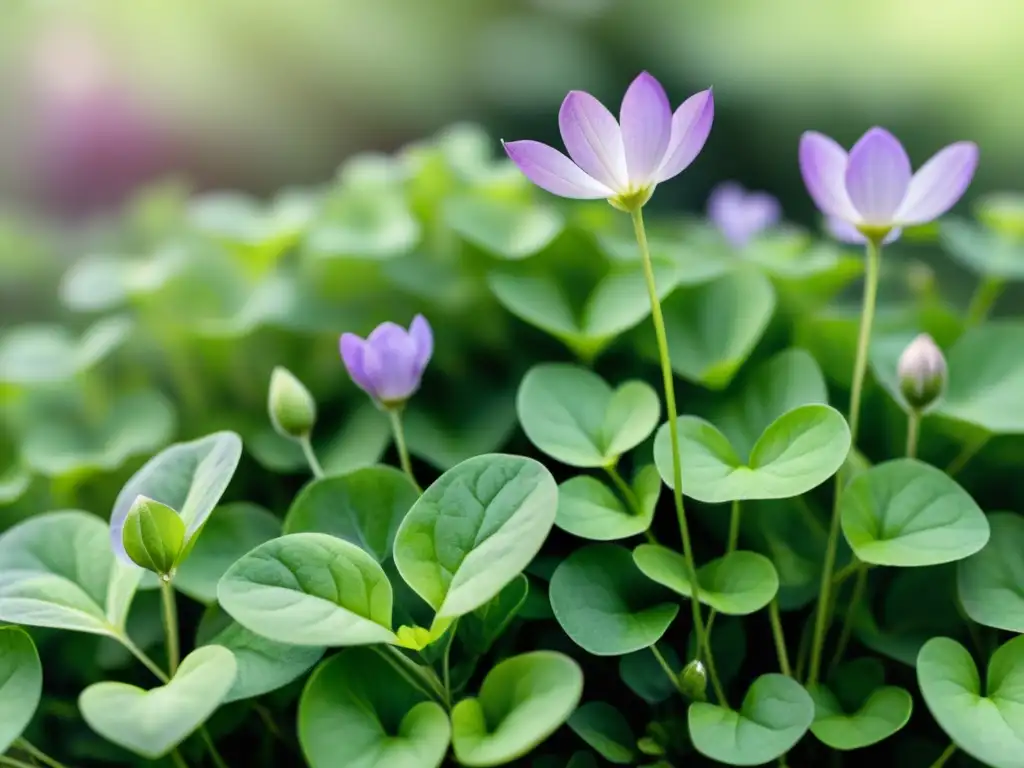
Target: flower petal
point(646, 120)
point(823, 166)
point(423, 337)
point(352, 348)
point(939, 183)
point(846, 232)
point(691, 125)
point(549, 169)
point(593, 139)
point(740, 215)
point(877, 176)
point(389, 360)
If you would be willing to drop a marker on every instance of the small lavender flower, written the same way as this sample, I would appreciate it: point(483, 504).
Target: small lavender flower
point(622, 160)
point(847, 233)
point(873, 190)
point(389, 363)
point(740, 215)
point(922, 372)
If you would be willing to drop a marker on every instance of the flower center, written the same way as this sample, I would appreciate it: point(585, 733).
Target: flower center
point(632, 199)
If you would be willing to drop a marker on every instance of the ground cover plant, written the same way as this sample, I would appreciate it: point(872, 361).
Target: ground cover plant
point(428, 466)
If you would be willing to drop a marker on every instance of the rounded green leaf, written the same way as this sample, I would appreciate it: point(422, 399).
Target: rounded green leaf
point(474, 530)
point(522, 701)
point(21, 683)
point(35, 354)
point(231, 531)
point(153, 535)
point(906, 513)
point(309, 589)
point(152, 723)
point(797, 452)
point(509, 230)
point(573, 415)
point(604, 729)
point(774, 716)
point(982, 250)
point(991, 582)
point(737, 584)
point(364, 507)
point(605, 604)
point(376, 226)
point(357, 711)
point(591, 510)
point(988, 727)
point(884, 713)
point(986, 378)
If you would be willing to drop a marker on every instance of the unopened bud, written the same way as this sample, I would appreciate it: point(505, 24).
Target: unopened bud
point(922, 372)
point(292, 408)
point(693, 681)
point(650, 747)
point(153, 536)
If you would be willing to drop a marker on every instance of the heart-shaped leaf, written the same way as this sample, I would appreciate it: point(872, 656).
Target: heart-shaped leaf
point(855, 710)
point(591, 510)
point(797, 452)
point(474, 530)
point(363, 507)
point(573, 415)
point(481, 627)
point(21, 683)
point(991, 582)
point(357, 711)
point(522, 701)
point(57, 570)
point(605, 604)
point(34, 354)
point(906, 513)
point(152, 723)
point(737, 584)
point(188, 477)
point(309, 589)
point(604, 729)
point(982, 250)
point(775, 714)
point(988, 727)
point(510, 230)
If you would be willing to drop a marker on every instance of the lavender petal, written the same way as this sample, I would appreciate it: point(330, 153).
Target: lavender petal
point(939, 183)
point(691, 125)
point(550, 170)
point(646, 120)
point(593, 139)
point(823, 166)
point(352, 348)
point(877, 176)
point(423, 337)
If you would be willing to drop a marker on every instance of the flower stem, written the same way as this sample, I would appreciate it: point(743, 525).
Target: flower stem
point(855, 597)
point(177, 759)
point(984, 297)
point(669, 673)
point(780, 638)
point(967, 453)
point(734, 528)
point(446, 679)
point(941, 761)
point(403, 451)
point(170, 613)
point(37, 754)
point(822, 615)
point(632, 502)
point(4, 760)
point(138, 653)
point(913, 433)
point(218, 761)
point(419, 677)
point(703, 648)
point(310, 454)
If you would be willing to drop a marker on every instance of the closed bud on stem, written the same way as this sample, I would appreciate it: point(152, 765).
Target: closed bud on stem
point(292, 409)
point(694, 681)
point(922, 373)
point(153, 536)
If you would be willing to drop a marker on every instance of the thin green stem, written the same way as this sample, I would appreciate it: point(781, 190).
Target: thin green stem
point(845, 572)
point(984, 297)
point(677, 470)
point(37, 754)
point(913, 433)
point(851, 610)
point(420, 677)
point(669, 673)
point(967, 453)
point(779, 637)
point(212, 748)
point(632, 502)
point(446, 678)
point(823, 614)
point(311, 459)
point(398, 430)
point(802, 651)
point(4, 760)
point(177, 759)
point(734, 528)
point(170, 613)
point(138, 653)
point(941, 761)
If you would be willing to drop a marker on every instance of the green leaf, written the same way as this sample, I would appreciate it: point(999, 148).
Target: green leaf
point(479, 629)
point(591, 510)
point(604, 729)
point(309, 589)
point(797, 452)
point(737, 584)
point(856, 710)
point(982, 250)
point(605, 604)
point(774, 716)
point(152, 723)
point(353, 225)
point(188, 477)
point(153, 535)
point(990, 583)
point(643, 675)
point(474, 530)
point(231, 531)
point(36, 354)
point(574, 416)
point(986, 379)
point(21, 683)
point(478, 427)
point(364, 507)
point(713, 328)
point(357, 711)
point(510, 230)
point(906, 513)
point(522, 701)
point(57, 570)
point(360, 442)
point(988, 727)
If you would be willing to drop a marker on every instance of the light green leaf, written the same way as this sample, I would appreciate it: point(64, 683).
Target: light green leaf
point(644, 676)
point(522, 701)
point(36, 354)
point(482, 426)
point(152, 723)
point(21, 683)
point(357, 225)
point(573, 415)
point(591, 510)
point(906, 513)
point(986, 379)
point(606, 605)
point(309, 589)
point(474, 530)
point(510, 230)
point(990, 583)
point(604, 729)
point(856, 710)
point(982, 250)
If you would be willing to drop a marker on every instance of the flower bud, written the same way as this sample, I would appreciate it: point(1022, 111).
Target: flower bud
point(693, 681)
point(292, 408)
point(650, 747)
point(922, 372)
point(153, 536)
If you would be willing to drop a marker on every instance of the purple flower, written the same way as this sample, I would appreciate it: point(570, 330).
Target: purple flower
point(619, 160)
point(739, 215)
point(847, 233)
point(873, 188)
point(389, 363)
